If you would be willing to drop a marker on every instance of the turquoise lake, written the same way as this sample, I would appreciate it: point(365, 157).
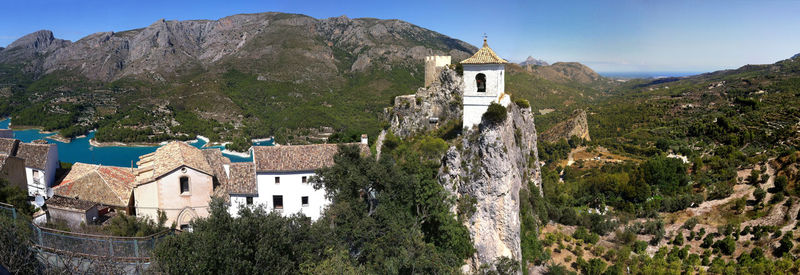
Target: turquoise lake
point(79, 150)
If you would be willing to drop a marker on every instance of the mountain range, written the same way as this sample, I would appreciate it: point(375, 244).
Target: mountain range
point(242, 76)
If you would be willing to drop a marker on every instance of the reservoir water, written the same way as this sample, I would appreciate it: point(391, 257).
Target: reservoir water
point(79, 149)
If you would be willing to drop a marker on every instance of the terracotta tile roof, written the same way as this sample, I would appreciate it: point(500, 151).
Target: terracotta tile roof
point(70, 203)
point(3, 159)
point(217, 163)
point(35, 155)
point(484, 56)
point(107, 185)
point(168, 158)
point(297, 157)
point(243, 179)
point(8, 146)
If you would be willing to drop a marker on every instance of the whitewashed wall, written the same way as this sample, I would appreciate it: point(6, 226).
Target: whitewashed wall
point(475, 103)
point(291, 188)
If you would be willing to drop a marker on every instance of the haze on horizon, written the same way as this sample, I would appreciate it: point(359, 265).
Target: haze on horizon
point(615, 36)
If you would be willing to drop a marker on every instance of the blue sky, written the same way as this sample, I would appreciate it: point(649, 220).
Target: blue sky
point(609, 36)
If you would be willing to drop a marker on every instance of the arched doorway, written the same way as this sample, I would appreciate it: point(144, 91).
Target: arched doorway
point(185, 217)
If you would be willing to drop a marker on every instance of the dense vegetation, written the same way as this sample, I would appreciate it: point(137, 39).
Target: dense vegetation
point(387, 216)
point(740, 121)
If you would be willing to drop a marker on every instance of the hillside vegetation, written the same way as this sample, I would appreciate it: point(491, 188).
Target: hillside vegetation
point(620, 203)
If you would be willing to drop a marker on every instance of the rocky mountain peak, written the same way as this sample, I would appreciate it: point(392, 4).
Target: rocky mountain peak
point(252, 42)
point(35, 40)
point(796, 56)
point(28, 46)
point(533, 61)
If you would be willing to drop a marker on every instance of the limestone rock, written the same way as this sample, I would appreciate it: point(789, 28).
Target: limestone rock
point(416, 113)
point(533, 62)
point(491, 165)
point(576, 125)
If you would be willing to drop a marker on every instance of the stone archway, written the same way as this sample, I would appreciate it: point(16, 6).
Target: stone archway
point(187, 215)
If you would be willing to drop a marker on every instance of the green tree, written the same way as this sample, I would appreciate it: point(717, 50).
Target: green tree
point(593, 267)
point(667, 174)
point(727, 245)
point(780, 183)
point(759, 195)
point(786, 244)
point(15, 196)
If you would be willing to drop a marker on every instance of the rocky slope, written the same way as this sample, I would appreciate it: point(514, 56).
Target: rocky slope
point(565, 71)
point(489, 167)
point(429, 107)
point(168, 46)
point(258, 75)
point(576, 125)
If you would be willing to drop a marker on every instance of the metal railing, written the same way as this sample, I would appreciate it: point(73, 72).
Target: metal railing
point(9, 210)
point(127, 249)
point(123, 249)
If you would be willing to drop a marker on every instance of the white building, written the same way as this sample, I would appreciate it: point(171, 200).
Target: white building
point(41, 162)
point(283, 176)
point(484, 83)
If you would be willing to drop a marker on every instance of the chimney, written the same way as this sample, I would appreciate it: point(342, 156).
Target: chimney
point(364, 139)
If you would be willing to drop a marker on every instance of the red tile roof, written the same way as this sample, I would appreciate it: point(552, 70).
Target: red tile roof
point(297, 157)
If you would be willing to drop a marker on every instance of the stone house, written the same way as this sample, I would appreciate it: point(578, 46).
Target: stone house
point(12, 169)
point(73, 212)
point(107, 185)
point(178, 179)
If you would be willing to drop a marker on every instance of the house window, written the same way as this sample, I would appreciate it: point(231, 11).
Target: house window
point(480, 80)
point(305, 179)
point(304, 200)
point(277, 180)
point(277, 202)
point(184, 185)
point(249, 200)
point(186, 227)
point(36, 174)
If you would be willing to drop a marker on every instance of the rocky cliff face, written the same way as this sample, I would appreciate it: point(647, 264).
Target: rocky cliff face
point(533, 62)
point(429, 108)
point(488, 167)
point(166, 47)
point(576, 125)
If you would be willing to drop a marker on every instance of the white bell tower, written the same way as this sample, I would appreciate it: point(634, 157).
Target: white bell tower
point(484, 83)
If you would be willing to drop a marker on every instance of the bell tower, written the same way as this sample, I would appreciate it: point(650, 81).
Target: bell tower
point(484, 83)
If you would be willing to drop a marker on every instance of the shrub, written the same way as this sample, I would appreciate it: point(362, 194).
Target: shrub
point(522, 103)
point(727, 245)
point(495, 114)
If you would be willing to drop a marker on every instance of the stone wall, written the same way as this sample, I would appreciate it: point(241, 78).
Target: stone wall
point(429, 108)
point(433, 66)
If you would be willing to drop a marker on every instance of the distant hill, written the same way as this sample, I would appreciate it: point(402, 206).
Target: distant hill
point(242, 76)
point(533, 61)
